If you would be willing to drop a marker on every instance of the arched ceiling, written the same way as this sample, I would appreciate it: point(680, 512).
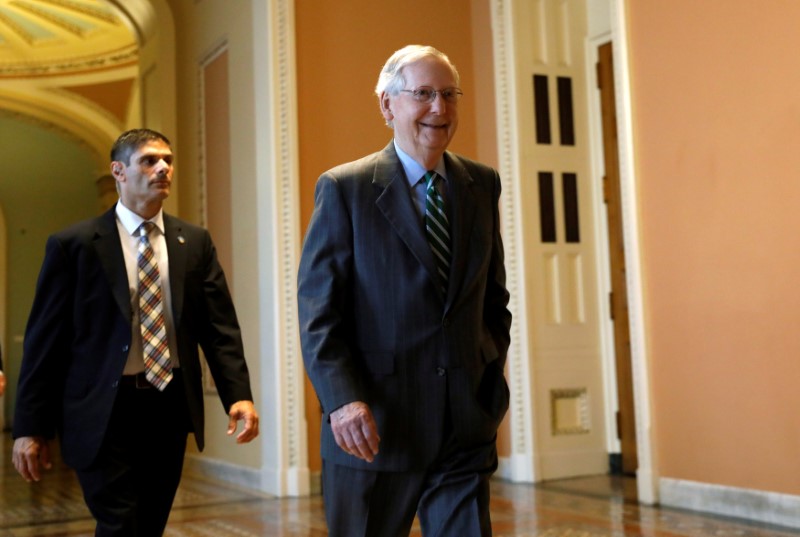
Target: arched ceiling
point(70, 64)
point(62, 37)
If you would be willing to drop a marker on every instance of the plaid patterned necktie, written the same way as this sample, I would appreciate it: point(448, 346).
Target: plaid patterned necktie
point(437, 228)
point(158, 368)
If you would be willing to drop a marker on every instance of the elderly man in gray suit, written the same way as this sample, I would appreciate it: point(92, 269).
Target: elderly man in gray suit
point(404, 320)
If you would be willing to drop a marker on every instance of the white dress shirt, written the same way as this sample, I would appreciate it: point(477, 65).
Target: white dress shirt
point(128, 224)
point(415, 173)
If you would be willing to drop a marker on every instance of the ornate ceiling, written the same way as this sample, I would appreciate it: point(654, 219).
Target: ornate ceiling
point(71, 67)
point(62, 37)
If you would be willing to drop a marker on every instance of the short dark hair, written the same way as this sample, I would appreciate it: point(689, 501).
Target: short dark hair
point(129, 141)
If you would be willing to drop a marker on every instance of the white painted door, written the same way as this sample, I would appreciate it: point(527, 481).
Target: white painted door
point(560, 309)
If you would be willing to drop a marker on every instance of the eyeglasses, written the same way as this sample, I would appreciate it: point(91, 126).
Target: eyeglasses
point(426, 94)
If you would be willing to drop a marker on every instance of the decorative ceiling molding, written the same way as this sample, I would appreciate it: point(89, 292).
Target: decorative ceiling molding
point(77, 69)
point(139, 15)
point(59, 37)
point(73, 25)
point(98, 12)
point(50, 126)
point(71, 66)
point(65, 111)
point(108, 98)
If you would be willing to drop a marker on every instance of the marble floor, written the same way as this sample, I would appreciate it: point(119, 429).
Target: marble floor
point(598, 506)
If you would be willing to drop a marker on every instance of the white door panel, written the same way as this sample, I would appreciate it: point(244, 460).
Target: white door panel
point(557, 246)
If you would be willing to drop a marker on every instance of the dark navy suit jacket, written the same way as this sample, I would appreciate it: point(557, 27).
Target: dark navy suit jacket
point(375, 326)
point(79, 332)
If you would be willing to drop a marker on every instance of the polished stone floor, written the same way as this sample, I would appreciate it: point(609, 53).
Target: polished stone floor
point(587, 507)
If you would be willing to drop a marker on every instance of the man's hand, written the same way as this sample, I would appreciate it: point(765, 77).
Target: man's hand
point(243, 410)
point(2, 383)
point(355, 430)
point(31, 453)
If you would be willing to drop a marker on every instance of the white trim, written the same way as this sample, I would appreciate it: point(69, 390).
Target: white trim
point(518, 468)
point(597, 167)
point(753, 505)
point(646, 474)
point(242, 476)
point(519, 372)
point(503, 468)
point(285, 457)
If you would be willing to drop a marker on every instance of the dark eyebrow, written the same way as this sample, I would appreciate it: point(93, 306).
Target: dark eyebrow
point(150, 156)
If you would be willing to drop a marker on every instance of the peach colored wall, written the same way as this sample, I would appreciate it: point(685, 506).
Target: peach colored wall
point(483, 85)
point(717, 127)
point(341, 47)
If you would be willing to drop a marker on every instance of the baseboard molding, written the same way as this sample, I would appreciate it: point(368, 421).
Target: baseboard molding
point(315, 483)
point(241, 476)
point(516, 468)
point(646, 487)
point(754, 505)
point(576, 463)
point(291, 482)
point(504, 468)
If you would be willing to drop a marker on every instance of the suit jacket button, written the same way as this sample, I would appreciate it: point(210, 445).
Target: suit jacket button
point(440, 371)
point(125, 348)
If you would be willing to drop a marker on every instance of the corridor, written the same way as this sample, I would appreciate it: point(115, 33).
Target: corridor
point(587, 507)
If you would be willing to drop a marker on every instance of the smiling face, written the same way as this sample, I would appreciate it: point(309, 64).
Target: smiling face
point(423, 130)
point(144, 181)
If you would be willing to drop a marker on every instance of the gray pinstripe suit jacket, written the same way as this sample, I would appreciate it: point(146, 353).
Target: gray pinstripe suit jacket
point(376, 328)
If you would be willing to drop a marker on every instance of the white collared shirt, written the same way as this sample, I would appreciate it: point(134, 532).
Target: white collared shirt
point(128, 224)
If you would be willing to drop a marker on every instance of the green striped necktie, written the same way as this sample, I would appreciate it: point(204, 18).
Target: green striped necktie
point(437, 228)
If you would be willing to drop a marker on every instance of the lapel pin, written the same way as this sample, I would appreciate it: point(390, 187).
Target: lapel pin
point(181, 240)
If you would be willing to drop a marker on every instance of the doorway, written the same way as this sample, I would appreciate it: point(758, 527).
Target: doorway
point(618, 298)
point(548, 46)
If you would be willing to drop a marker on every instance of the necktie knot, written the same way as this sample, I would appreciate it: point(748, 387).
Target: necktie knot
point(145, 228)
point(431, 177)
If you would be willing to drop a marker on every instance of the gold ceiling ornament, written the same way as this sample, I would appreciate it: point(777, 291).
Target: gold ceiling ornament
point(103, 12)
point(61, 37)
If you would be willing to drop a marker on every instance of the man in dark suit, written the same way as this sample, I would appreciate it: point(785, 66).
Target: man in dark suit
point(405, 339)
point(111, 361)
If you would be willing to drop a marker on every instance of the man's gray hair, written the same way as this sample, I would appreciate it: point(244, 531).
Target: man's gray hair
point(391, 79)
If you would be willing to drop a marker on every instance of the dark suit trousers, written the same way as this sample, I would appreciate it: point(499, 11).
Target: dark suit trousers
point(131, 485)
point(451, 497)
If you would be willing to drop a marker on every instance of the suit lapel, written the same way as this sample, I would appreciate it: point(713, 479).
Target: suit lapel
point(398, 208)
point(462, 206)
point(106, 242)
point(176, 251)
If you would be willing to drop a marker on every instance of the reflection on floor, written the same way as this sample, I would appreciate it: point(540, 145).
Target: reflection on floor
point(587, 507)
